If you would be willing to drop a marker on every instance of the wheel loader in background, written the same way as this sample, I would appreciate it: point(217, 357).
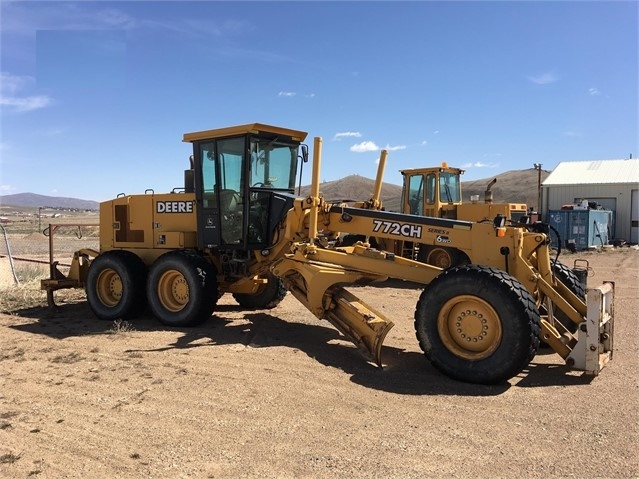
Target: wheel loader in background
point(236, 227)
point(436, 192)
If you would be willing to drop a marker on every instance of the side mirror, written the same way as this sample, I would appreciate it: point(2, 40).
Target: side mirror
point(305, 153)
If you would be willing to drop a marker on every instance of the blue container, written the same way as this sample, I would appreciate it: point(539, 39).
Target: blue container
point(581, 229)
point(558, 219)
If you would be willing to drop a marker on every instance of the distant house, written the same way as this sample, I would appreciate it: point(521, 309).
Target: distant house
point(613, 184)
point(4, 220)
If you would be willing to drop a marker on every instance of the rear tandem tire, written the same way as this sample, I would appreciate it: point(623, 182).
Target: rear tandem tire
point(182, 289)
point(477, 324)
point(115, 285)
point(267, 297)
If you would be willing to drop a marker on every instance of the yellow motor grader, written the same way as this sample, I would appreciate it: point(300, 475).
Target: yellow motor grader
point(236, 227)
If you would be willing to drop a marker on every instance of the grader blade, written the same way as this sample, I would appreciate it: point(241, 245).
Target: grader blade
point(359, 322)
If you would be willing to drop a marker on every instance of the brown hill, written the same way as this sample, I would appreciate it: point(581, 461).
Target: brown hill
point(357, 188)
point(515, 186)
point(33, 200)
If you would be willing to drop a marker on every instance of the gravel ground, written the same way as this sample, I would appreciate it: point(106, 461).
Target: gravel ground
point(279, 394)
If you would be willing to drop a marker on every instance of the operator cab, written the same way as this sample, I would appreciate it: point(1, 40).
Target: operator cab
point(432, 191)
point(244, 179)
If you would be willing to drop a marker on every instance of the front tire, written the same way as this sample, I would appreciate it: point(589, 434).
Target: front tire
point(267, 296)
point(182, 289)
point(477, 324)
point(115, 285)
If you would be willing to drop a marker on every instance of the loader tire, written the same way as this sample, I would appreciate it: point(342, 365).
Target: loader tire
point(182, 289)
point(115, 286)
point(437, 256)
point(267, 297)
point(570, 279)
point(477, 324)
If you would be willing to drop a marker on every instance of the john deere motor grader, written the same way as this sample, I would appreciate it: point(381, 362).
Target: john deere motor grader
point(238, 228)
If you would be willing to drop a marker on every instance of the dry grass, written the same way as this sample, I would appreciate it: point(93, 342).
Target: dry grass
point(27, 245)
point(9, 458)
point(28, 295)
point(121, 326)
point(70, 358)
point(22, 296)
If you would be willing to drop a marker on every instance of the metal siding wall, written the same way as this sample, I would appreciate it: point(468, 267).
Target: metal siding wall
point(556, 196)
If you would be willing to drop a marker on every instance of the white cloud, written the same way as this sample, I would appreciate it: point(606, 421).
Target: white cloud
point(11, 86)
point(479, 164)
point(23, 104)
point(395, 148)
point(594, 91)
point(573, 134)
point(52, 131)
point(6, 188)
point(11, 83)
point(544, 78)
point(364, 146)
point(26, 20)
point(424, 143)
point(286, 93)
point(347, 134)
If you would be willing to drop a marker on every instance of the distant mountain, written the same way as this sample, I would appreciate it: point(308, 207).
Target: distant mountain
point(515, 186)
point(31, 200)
point(358, 188)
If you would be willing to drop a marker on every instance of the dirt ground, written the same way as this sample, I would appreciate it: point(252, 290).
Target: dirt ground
point(278, 394)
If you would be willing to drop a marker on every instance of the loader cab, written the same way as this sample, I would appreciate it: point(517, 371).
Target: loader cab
point(432, 192)
point(244, 179)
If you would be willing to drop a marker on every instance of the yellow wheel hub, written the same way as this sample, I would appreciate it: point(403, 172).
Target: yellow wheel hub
point(469, 327)
point(173, 291)
point(109, 287)
point(440, 257)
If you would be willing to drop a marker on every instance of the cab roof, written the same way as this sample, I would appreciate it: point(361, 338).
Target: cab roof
point(252, 128)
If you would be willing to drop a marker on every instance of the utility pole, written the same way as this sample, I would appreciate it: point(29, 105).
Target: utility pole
point(538, 168)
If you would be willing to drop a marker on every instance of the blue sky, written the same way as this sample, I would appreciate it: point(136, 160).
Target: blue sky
point(95, 96)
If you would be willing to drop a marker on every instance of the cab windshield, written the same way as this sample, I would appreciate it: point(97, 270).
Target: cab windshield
point(449, 188)
point(273, 165)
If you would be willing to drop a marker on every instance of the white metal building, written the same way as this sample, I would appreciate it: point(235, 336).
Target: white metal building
point(614, 184)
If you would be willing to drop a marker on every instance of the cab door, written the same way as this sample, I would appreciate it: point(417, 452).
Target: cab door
point(220, 191)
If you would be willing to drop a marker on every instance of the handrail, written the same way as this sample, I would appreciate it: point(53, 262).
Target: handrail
point(50, 232)
point(13, 268)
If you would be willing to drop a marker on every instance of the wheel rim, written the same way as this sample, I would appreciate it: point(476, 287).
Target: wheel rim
point(469, 327)
point(440, 257)
point(109, 287)
point(173, 291)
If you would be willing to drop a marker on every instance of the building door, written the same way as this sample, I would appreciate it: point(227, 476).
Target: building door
point(634, 217)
